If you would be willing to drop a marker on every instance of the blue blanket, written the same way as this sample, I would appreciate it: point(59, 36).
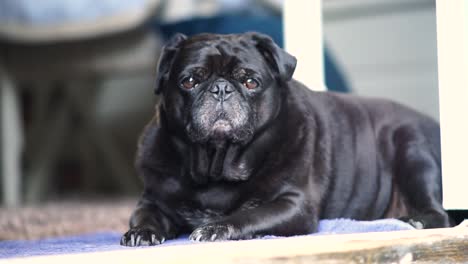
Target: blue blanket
point(110, 240)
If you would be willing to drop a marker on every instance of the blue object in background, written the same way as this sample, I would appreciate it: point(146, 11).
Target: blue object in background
point(244, 15)
point(271, 25)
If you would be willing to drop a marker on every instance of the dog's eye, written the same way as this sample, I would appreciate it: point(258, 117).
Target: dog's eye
point(250, 83)
point(189, 83)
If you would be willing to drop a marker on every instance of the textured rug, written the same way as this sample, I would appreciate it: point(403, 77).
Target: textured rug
point(65, 218)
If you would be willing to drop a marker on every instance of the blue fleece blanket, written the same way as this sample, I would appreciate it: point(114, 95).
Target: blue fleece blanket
point(110, 240)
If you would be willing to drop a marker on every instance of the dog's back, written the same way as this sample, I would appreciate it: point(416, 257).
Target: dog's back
point(375, 145)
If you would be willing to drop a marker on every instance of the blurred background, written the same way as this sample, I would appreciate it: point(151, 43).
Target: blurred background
point(77, 77)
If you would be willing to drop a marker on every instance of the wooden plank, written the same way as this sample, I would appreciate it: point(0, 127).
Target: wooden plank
point(449, 245)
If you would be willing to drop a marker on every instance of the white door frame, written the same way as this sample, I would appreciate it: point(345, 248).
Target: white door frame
point(452, 46)
point(308, 46)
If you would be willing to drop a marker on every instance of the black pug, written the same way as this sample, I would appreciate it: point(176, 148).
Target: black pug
point(237, 149)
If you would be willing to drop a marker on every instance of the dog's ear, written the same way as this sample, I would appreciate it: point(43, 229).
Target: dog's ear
point(281, 62)
point(166, 59)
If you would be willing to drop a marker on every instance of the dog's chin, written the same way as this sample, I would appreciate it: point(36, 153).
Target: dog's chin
point(220, 131)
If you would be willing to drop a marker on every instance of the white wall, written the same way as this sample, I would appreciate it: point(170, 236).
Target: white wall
point(387, 48)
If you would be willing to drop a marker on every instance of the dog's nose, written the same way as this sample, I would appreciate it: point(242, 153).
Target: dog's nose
point(221, 90)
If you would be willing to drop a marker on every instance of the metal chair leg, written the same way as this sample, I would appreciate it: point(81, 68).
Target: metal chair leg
point(11, 141)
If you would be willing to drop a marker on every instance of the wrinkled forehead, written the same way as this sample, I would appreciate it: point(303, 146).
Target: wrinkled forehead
point(222, 53)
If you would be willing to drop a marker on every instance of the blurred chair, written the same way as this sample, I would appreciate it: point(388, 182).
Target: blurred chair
point(61, 51)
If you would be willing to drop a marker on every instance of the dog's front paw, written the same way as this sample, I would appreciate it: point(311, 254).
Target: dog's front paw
point(141, 237)
point(415, 222)
point(213, 232)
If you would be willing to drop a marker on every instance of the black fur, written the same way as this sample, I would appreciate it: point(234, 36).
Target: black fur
point(226, 162)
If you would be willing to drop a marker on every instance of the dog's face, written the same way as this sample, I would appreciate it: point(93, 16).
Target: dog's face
point(219, 88)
